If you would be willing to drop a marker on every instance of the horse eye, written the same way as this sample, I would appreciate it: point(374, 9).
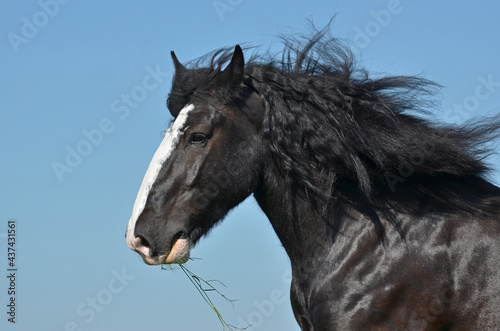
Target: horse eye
point(198, 139)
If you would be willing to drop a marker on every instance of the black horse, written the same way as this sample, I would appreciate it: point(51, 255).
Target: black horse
point(387, 218)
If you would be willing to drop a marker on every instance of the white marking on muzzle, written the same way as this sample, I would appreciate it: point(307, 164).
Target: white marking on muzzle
point(161, 155)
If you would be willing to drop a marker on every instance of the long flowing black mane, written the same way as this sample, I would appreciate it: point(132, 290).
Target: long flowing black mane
point(345, 140)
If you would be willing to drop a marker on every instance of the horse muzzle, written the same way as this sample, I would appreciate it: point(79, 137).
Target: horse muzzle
point(179, 253)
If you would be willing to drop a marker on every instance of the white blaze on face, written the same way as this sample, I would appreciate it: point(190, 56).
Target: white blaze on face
point(162, 154)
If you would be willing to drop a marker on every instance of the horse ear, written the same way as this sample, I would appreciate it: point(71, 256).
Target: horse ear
point(232, 76)
point(178, 66)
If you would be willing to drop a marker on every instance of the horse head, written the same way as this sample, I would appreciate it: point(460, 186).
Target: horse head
point(208, 162)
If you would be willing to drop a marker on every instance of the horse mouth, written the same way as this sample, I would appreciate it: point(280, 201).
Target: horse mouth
point(180, 251)
point(178, 254)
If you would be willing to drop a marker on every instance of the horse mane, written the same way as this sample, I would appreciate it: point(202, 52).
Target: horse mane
point(345, 140)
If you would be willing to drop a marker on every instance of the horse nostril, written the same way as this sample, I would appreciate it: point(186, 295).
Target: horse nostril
point(142, 245)
point(143, 241)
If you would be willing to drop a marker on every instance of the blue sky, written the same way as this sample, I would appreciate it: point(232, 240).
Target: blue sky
point(84, 83)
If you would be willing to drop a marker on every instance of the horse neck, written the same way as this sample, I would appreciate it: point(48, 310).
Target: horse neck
point(301, 230)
